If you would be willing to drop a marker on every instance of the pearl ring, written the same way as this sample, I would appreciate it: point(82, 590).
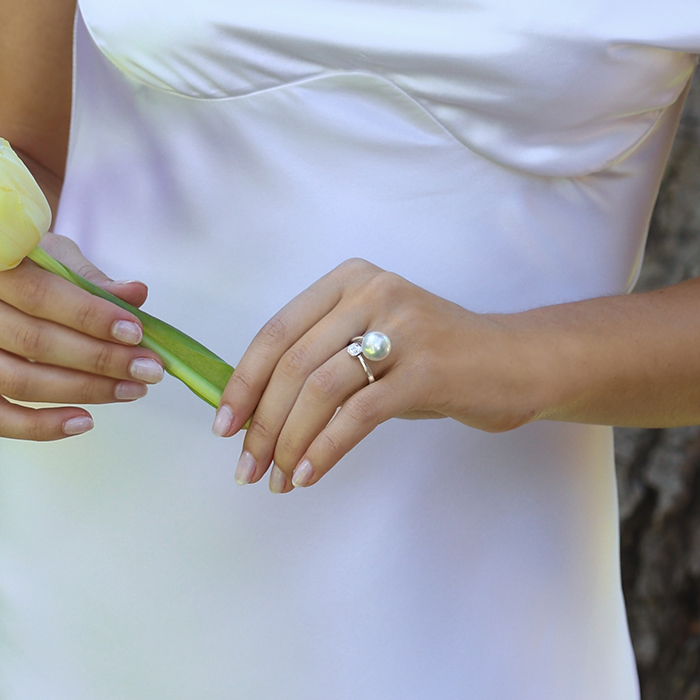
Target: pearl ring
point(373, 346)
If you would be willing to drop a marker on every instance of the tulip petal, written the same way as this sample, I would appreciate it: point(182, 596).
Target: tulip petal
point(25, 215)
point(18, 234)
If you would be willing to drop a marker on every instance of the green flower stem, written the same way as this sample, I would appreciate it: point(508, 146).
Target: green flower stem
point(183, 357)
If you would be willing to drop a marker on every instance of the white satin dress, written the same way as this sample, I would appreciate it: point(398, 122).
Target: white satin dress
point(503, 154)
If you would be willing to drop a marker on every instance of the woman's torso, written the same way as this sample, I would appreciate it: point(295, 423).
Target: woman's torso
point(505, 156)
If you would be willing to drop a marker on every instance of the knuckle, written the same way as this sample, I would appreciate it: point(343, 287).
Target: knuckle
point(243, 381)
point(273, 332)
point(330, 446)
point(103, 359)
point(322, 384)
point(35, 429)
point(85, 390)
point(386, 286)
point(86, 315)
point(353, 266)
point(360, 410)
point(32, 292)
point(285, 451)
point(30, 340)
point(15, 386)
point(260, 429)
point(86, 269)
point(354, 269)
point(295, 362)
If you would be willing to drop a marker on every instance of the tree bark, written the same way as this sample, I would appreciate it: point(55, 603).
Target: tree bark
point(658, 470)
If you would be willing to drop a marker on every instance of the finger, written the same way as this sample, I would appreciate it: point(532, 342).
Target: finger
point(44, 295)
point(356, 419)
point(43, 424)
point(305, 357)
point(279, 482)
point(52, 344)
point(30, 381)
point(280, 333)
point(67, 252)
point(323, 392)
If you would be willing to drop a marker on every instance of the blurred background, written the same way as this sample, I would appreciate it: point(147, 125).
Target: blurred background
point(659, 470)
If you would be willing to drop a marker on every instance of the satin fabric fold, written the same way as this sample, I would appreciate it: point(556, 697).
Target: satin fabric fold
point(536, 87)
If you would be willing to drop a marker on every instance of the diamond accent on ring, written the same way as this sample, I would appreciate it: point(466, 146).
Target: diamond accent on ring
point(355, 349)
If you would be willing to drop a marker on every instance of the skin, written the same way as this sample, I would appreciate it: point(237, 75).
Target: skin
point(58, 344)
point(626, 360)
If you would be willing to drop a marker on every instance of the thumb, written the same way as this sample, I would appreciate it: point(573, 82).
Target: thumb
point(67, 252)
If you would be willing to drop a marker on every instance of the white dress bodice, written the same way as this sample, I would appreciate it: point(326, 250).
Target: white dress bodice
point(503, 155)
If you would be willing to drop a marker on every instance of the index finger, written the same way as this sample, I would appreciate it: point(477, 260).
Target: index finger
point(44, 295)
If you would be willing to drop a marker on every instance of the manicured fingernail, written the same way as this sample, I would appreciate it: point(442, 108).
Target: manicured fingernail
point(278, 479)
point(246, 468)
point(78, 426)
point(127, 282)
point(127, 332)
point(130, 391)
point(303, 474)
point(146, 370)
point(223, 421)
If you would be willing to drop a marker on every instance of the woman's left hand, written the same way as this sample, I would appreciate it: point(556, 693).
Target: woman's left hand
point(444, 361)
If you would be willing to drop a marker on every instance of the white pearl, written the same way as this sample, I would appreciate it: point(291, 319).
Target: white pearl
point(376, 346)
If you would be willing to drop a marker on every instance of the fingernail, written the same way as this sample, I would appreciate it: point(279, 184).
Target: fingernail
point(78, 426)
point(278, 479)
point(246, 468)
point(303, 474)
point(223, 421)
point(127, 332)
point(130, 391)
point(127, 282)
point(146, 370)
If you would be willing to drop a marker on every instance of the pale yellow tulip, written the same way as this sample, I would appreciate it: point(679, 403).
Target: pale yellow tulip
point(25, 215)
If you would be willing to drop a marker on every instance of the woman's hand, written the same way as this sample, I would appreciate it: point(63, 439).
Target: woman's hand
point(60, 344)
point(445, 361)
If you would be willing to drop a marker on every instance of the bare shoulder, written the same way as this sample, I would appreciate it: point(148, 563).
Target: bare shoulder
point(36, 42)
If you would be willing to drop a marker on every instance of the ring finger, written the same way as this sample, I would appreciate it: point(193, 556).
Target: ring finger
point(323, 392)
point(292, 371)
point(49, 343)
point(23, 380)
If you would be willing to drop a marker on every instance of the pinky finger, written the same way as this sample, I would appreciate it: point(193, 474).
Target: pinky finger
point(356, 419)
point(42, 424)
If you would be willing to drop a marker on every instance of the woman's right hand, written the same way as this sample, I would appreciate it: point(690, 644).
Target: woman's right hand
point(60, 344)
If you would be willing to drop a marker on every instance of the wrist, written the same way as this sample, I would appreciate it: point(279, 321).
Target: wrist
point(547, 365)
